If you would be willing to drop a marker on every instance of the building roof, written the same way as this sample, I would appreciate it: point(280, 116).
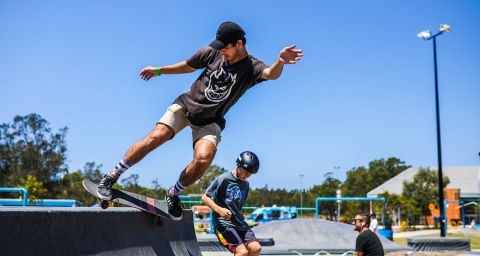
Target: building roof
point(467, 179)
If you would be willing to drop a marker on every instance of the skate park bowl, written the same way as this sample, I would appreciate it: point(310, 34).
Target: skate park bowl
point(308, 237)
point(94, 231)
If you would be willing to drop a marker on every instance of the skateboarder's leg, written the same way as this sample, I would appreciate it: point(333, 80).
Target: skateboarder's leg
point(135, 153)
point(159, 135)
point(254, 248)
point(204, 152)
point(206, 139)
point(172, 122)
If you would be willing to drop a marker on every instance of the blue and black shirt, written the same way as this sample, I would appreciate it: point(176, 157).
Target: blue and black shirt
point(227, 191)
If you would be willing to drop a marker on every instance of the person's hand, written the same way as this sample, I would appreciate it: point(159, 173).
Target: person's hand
point(148, 72)
point(289, 55)
point(225, 213)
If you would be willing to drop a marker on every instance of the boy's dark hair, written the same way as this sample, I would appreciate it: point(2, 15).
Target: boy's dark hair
point(373, 215)
point(365, 217)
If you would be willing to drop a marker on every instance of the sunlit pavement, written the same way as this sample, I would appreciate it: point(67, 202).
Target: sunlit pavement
point(422, 233)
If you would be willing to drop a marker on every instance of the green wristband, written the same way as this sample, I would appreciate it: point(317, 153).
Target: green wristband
point(159, 73)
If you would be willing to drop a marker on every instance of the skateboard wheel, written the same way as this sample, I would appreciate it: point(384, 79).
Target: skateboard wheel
point(104, 204)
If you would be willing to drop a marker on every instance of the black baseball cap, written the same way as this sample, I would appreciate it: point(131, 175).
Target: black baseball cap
point(228, 32)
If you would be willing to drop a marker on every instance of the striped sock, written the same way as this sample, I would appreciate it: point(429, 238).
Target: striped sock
point(120, 168)
point(177, 189)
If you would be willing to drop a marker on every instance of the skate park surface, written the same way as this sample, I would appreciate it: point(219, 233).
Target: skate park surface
point(128, 231)
point(93, 231)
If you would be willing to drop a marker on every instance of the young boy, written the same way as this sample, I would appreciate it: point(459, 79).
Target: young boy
point(226, 196)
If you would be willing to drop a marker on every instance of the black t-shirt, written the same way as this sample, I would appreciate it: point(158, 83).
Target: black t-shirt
point(369, 244)
point(219, 86)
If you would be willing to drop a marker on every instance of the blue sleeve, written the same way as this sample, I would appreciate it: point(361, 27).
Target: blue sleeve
point(213, 188)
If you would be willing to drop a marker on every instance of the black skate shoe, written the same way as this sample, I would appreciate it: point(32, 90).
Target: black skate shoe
point(175, 207)
point(105, 187)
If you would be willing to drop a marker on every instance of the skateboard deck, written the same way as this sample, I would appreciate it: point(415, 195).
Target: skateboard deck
point(144, 203)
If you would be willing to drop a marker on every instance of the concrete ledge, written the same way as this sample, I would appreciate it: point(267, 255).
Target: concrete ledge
point(439, 244)
point(93, 231)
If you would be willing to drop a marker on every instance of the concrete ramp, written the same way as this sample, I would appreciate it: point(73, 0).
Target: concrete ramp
point(94, 231)
point(312, 236)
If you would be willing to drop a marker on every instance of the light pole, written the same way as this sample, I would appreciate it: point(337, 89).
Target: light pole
point(426, 35)
point(301, 194)
point(339, 195)
point(339, 192)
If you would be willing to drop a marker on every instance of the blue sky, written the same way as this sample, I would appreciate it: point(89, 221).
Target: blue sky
point(363, 91)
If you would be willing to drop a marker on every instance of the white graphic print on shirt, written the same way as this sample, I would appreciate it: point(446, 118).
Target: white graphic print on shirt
point(220, 85)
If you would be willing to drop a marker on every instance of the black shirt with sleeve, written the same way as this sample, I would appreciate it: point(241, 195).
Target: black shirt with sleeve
point(219, 86)
point(369, 244)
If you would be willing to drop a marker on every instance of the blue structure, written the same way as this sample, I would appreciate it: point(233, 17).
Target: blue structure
point(42, 202)
point(461, 203)
point(24, 201)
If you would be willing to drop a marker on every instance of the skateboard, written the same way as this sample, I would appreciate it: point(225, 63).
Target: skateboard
point(144, 203)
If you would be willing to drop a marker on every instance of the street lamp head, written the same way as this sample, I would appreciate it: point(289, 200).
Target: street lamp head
point(424, 34)
point(445, 28)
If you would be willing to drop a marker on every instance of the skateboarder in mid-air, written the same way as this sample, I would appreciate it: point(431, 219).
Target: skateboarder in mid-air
point(229, 71)
point(226, 196)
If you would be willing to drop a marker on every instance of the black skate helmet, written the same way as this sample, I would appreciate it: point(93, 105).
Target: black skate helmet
point(248, 161)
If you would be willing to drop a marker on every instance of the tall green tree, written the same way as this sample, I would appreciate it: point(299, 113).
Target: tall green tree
point(399, 203)
point(362, 180)
point(70, 186)
point(327, 189)
point(423, 190)
point(34, 187)
point(268, 197)
point(92, 171)
point(131, 183)
point(28, 147)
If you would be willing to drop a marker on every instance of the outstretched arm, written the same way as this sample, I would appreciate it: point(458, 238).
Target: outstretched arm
point(224, 212)
point(288, 55)
point(179, 68)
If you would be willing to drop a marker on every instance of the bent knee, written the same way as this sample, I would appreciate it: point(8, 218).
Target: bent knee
point(204, 157)
point(241, 252)
point(159, 135)
point(255, 249)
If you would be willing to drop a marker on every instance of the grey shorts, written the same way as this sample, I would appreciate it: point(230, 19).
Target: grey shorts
point(176, 118)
